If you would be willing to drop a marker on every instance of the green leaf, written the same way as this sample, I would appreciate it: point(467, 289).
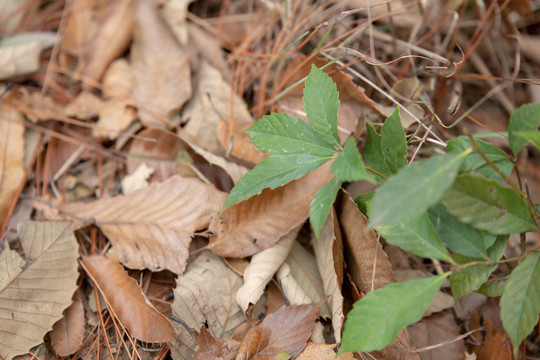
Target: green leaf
point(274, 171)
point(492, 288)
point(520, 302)
point(349, 165)
point(285, 134)
point(321, 104)
point(414, 189)
point(487, 205)
point(364, 202)
point(474, 163)
point(459, 237)
point(373, 154)
point(375, 320)
point(322, 203)
point(394, 143)
point(530, 136)
point(526, 118)
point(417, 235)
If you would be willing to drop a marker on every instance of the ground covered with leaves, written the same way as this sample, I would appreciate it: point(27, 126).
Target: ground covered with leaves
point(123, 131)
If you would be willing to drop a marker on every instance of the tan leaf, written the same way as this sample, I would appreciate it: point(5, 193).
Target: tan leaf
point(242, 147)
point(11, 156)
point(152, 228)
point(262, 268)
point(363, 249)
point(115, 116)
point(175, 13)
point(294, 294)
point(329, 255)
point(204, 45)
point(212, 348)
point(67, 334)
point(205, 295)
point(316, 351)
point(118, 80)
point(136, 180)
point(259, 222)
point(11, 13)
point(85, 106)
point(33, 298)
point(285, 331)
point(160, 67)
point(125, 299)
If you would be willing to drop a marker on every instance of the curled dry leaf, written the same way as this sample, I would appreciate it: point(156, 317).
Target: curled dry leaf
point(152, 228)
point(35, 291)
point(292, 291)
point(160, 67)
point(205, 295)
point(260, 221)
point(262, 268)
point(126, 300)
point(67, 334)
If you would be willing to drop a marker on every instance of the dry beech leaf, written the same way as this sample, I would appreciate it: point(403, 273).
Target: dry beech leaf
point(317, 351)
point(126, 300)
point(327, 249)
point(212, 348)
point(11, 156)
point(262, 268)
point(33, 296)
point(260, 221)
point(160, 67)
point(67, 334)
point(285, 331)
point(205, 295)
point(292, 291)
point(152, 228)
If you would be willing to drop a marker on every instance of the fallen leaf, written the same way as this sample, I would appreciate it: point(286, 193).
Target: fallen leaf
point(260, 221)
point(11, 13)
point(115, 116)
point(203, 45)
point(67, 334)
point(125, 299)
point(205, 295)
point(85, 106)
point(152, 228)
point(262, 268)
point(160, 67)
point(118, 80)
point(317, 351)
point(174, 13)
point(34, 295)
point(212, 348)
point(294, 294)
point(136, 180)
point(494, 345)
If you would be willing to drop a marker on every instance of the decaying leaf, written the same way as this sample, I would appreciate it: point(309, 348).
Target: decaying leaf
point(125, 299)
point(212, 348)
point(152, 228)
point(34, 295)
point(205, 295)
point(316, 351)
point(67, 334)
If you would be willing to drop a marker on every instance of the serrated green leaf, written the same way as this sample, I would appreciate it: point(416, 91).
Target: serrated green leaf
point(322, 203)
point(531, 136)
point(492, 288)
point(487, 205)
point(459, 237)
point(414, 189)
point(349, 165)
point(474, 163)
point(284, 134)
point(375, 320)
point(321, 104)
point(526, 118)
point(394, 143)
point(373, 155)
point(417, 235)
point(520, 302)
point(274, 171)
point(364, 202)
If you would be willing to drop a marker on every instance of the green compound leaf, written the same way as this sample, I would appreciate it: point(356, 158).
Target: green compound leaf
point(373, 154)
point(417, 235)
point(321, 104)
point(349, 165)
point(487, 205)
point(459, 237)
point(322, 203)
point(530, 136)
point(520, 302)
point(394, 143)
point(274, 171)
point(375, 320)
point(526, 118)
point(414, 189)
point(284, 134)
point(474, 163)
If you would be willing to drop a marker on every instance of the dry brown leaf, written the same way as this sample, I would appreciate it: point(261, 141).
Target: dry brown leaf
point(259, 222)
point(11, 156)
point(212, 348)
point(85, 106)
point(363, 249)
point(125, 299)
point(285, 331)
point(33, 296)
point(294, 294)
point(115, 116)
point(118, 80)
point(205, 46)
point(160, 67)
point(493, 344)
point(136, 180)
point(242, 147)
point(317, 351)
point(399, 350)
point(67, 334)
point(262, 268)
point(205, 295)
point(174, 12)
point(152, 228)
